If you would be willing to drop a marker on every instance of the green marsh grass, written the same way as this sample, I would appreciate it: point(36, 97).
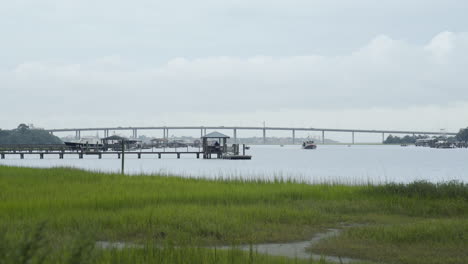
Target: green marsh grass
point(74, 209)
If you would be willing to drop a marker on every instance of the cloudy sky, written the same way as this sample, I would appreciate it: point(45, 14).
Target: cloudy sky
point(388, 64)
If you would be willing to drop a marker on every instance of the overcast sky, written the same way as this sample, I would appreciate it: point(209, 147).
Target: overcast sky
point(387, 64)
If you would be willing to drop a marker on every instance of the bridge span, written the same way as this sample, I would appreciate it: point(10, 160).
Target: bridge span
point(234, 129)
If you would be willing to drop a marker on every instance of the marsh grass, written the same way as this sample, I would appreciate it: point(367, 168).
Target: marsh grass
point(425, 241)
point(82, 250)
point(72, 209)
point(423, 189)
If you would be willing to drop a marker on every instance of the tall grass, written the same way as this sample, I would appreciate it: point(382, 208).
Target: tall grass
point(426, 241)
point(424, 189)
point(154, 210)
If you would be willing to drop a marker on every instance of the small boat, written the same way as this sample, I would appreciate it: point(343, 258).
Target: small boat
point(309, 145)
point(84, 143)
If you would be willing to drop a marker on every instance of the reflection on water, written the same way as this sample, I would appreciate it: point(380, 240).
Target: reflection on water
point(355, 164)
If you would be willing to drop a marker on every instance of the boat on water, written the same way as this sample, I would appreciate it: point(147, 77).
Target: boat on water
point(84, 143)
point(309, 145)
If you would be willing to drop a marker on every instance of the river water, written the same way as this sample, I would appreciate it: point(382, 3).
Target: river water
point(354, 164)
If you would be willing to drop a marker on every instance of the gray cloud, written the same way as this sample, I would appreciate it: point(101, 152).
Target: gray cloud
point(150, 31)
point(327, 62)
point(385, 73)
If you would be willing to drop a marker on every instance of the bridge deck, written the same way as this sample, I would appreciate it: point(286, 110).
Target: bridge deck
point(251, 128)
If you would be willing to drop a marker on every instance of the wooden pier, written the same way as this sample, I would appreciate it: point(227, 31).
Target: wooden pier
point(237, 157)
point(214, 144)
point(80, 155)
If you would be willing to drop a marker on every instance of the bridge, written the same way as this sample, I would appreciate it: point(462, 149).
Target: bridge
point(235, 129)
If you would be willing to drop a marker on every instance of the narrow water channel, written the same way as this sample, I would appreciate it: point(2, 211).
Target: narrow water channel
point(290, 250)
point(298, 249)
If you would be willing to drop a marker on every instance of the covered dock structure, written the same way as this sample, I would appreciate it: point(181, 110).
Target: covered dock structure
point(215, 143)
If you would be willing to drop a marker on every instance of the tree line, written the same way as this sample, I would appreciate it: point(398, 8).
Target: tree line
point(462, 135)
point(23, 134)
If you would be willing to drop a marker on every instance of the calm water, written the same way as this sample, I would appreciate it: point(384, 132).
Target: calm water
point(355, 164)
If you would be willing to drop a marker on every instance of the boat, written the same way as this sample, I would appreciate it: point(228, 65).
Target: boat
point(309, 145)
point(84, 143)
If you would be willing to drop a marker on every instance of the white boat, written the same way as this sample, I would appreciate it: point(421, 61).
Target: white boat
point(309, 145)
point(85, 142)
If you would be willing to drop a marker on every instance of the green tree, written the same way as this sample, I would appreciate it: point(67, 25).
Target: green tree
point(23, 134)
point(22, 128)
point(462, 135)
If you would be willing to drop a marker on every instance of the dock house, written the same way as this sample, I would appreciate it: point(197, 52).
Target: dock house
point(215, 143)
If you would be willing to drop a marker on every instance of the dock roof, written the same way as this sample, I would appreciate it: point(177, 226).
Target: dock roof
point(215, 134)
point(119, 138)
point(115, 137)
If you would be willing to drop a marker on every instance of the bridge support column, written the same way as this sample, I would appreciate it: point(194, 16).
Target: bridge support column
point(353, 136)
point(235, 136)
point(323, 136)
point(293, 136)
point(264, 136)
point(201, 132)
point(383, 138)
point(135, 133)
point(77, 134)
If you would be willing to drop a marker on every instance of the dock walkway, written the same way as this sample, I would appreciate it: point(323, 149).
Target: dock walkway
point(61, 154)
